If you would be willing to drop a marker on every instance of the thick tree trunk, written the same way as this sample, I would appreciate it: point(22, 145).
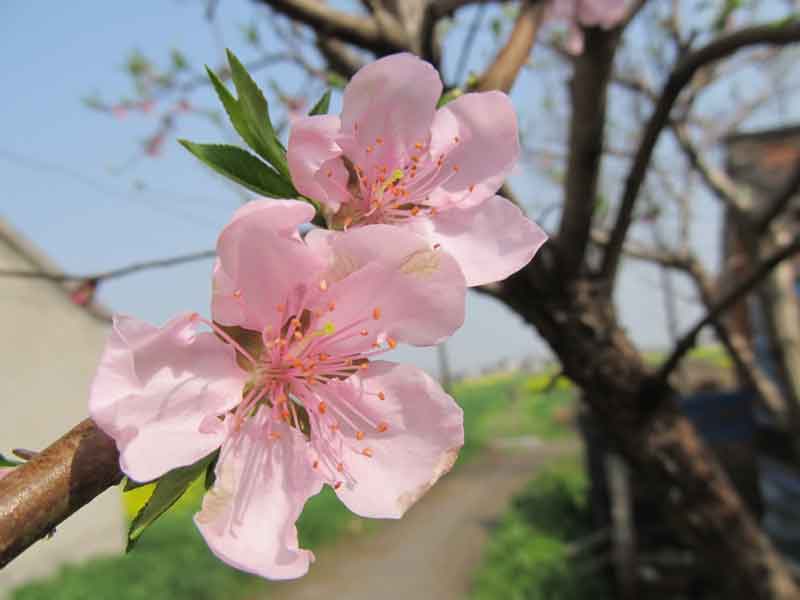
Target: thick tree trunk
point(647, 427)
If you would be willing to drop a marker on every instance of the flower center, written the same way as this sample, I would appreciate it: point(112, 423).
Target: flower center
point(291, 368)
point(391, 189)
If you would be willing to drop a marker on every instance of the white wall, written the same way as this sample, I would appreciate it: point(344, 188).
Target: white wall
point(49, 348)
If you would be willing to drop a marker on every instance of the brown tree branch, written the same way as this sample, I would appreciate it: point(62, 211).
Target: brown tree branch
point(113, 273)
point(718, 181)
point(781, 200)
point(723, 304)
point(339, 57)
point(38, 495)
point(681, 76)
point(361, 31)
point(503, 71)
point(589, 88)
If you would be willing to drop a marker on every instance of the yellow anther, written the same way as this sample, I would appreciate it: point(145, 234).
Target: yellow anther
point(367, 452)
point(378, 140)
point(340, 468)
point(237, 293)
point(322, 408)
point(415, 211)
point(364, 332)
point(456, 168)
point(418, 145)
point(376, 313)
point(359, 435)
point(382, 427)
point(323, 285)
point(381, 396)
point(392, 342)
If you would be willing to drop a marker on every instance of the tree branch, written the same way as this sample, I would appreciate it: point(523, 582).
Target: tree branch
point(741, 353)
point(723, 186)
point(339, 57)
point(723, 304)
point(682, 74)
point(38, 495)
point(365, 32)
point(781, 200)
point(113, 273)
point(503, 71)
point(589, 90)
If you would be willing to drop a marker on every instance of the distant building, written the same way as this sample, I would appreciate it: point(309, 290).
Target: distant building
point(49, 350)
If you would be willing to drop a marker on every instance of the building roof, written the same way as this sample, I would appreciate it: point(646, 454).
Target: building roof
point(41, 263)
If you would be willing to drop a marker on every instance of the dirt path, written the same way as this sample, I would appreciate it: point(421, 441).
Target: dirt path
point(432, 552)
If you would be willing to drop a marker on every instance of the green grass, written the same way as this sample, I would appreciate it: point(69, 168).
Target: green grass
point(512, 405)
point(172, 561)
point(528, 557)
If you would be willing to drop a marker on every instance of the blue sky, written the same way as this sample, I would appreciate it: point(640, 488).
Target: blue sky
point(74, 181)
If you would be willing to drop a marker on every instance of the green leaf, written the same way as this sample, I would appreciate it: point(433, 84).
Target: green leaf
point(167, 492)
point(255, 111)
point(449, 96)
point(233, 109)
point(211, 473)
point(9, 462)
point(243, 168)
point(322, 105)
point(336, 80)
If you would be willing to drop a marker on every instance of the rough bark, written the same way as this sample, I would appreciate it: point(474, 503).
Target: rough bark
point(40, 494)
point(640, 415)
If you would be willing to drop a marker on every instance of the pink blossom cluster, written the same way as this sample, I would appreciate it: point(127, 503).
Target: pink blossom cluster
point(285, 380)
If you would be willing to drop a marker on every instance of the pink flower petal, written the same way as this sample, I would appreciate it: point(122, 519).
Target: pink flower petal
point(419, 292)
point(283, 216)
point(155, 387)
point(260, 266)
point(248, 517)
point(490, 241)
point(477, 134)
point(392, 99)
point(312, 155)
point(412, 438)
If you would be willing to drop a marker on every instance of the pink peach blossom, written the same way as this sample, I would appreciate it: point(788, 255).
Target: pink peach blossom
point(286, 386)
point(586, 13)
point(393, 158)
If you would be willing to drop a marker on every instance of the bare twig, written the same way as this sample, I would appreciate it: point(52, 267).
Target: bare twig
point(723, 304)
point(362, 31)
point(469, 41)
point(682, 74)
point(113, 273)
point(777, 205)
point(503, 71)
